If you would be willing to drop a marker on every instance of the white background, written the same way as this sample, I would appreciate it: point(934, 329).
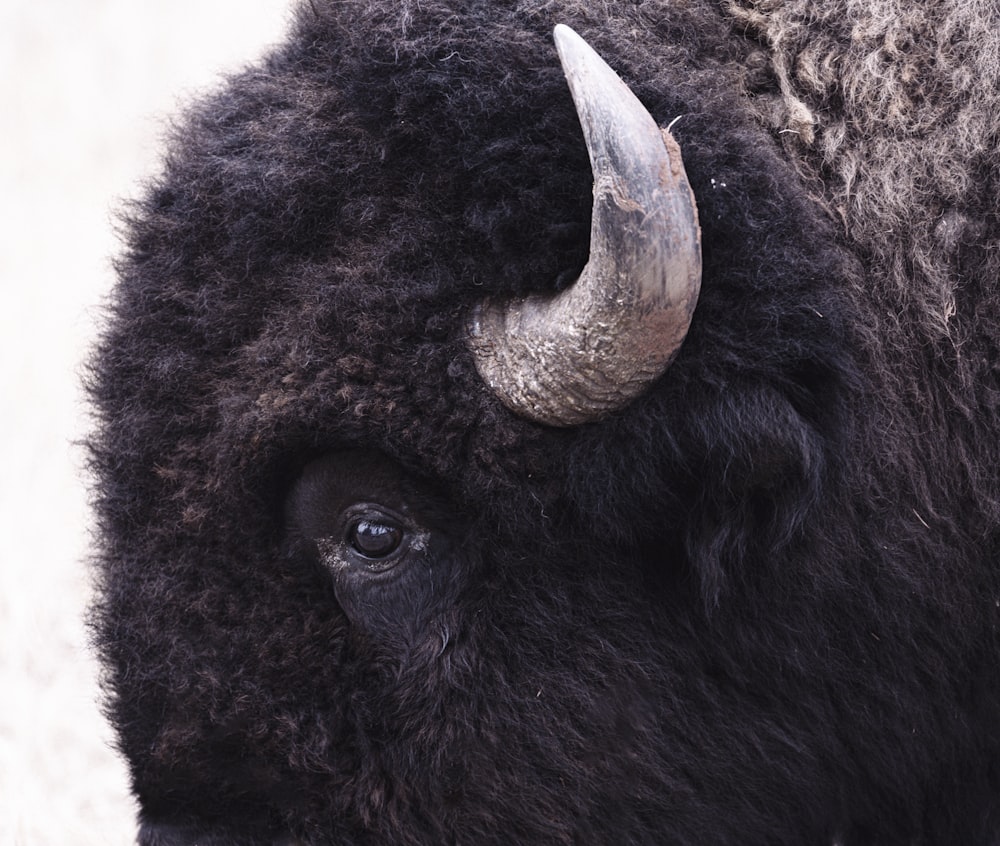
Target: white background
point(85, 89)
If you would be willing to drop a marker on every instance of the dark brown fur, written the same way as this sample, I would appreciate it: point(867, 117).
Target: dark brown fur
point(758, 606)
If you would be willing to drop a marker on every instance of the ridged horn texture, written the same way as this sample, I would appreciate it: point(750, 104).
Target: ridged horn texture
point(578, 355)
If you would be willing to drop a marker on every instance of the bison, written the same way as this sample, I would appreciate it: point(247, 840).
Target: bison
point(486, 454)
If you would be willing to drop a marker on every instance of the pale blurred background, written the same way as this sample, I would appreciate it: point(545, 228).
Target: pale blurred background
point(85, 89)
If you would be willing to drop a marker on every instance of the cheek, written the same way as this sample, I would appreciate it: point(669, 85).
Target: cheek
point(386, 603)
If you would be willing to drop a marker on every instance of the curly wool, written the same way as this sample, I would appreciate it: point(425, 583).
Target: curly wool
point(759, 605)
point(889, 110)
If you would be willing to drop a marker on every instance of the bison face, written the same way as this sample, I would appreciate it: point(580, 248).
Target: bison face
point(384, 541)
point(384, 563)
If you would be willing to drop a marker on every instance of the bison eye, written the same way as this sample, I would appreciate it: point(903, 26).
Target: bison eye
point(374, 538)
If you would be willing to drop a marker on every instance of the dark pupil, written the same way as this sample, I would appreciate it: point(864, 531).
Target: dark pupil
point(375, 540)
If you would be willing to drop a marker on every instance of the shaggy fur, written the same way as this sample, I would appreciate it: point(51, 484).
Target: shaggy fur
point(759, 605)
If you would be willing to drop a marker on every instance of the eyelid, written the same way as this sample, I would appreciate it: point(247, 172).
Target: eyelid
point(371, 511)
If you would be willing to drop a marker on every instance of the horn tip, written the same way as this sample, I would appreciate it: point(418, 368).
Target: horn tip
point(568, 41)
point(562, 32)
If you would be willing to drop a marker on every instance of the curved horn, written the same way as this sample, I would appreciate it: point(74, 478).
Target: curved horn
point(578, 355)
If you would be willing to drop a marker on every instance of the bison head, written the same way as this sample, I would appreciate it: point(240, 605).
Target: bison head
point(409, 534)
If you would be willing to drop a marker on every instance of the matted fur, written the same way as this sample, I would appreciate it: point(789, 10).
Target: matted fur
point(759, 605)
point(890, 110)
